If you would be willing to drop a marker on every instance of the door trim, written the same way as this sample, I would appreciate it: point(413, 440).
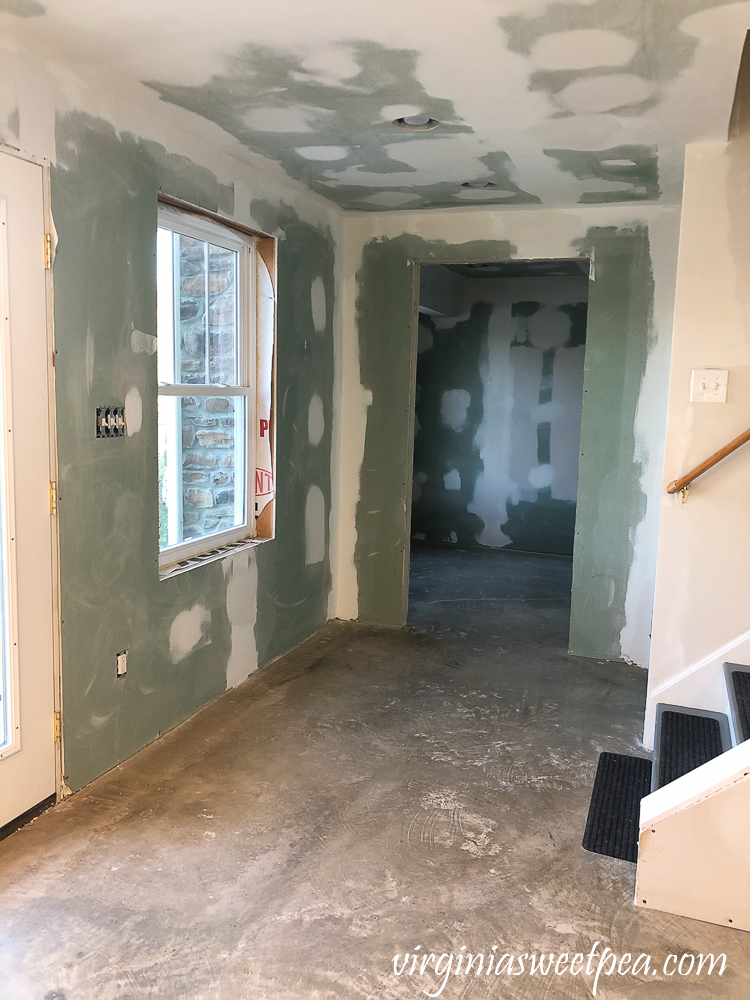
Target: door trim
point(61, 789)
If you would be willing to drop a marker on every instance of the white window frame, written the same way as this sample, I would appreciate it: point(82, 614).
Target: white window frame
point(203, 229)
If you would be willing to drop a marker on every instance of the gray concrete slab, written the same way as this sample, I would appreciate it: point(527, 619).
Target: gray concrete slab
point(373, 791)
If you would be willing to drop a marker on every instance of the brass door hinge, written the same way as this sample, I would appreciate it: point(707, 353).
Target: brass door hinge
point(57, 727)
point(47, 251)
point(53, 498)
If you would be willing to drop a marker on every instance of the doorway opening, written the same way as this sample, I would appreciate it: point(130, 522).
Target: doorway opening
point(497, 419)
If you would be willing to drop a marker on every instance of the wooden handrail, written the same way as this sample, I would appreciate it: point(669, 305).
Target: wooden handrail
point(681, 484)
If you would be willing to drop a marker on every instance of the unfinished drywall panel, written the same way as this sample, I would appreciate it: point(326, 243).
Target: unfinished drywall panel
point(611, 498)
point(626, 335)
point(293, 603)
point(191, 636)
point(598, 98)
point(702, 600)
point(497, 411)
point(104, 191)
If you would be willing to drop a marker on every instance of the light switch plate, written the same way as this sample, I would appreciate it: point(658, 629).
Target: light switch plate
point(709, 385)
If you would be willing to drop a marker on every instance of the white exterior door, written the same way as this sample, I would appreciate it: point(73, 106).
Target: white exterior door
point(27, 631)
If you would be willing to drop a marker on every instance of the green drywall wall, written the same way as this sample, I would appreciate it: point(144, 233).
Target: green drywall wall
point(452, 362)
point(494, 347)
point(104, 204)
point(386, 309)
point(292, 597)
point(610, 501)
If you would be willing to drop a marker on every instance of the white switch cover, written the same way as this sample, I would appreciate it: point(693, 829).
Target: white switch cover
point(122, 663)
point(709, 385)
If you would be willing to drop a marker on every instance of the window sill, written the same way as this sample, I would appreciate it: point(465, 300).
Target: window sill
point(210, 556)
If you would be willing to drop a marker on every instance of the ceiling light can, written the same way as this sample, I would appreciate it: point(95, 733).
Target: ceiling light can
point(417, 123)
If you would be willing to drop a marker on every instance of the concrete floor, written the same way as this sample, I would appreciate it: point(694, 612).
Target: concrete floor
point(372, 791)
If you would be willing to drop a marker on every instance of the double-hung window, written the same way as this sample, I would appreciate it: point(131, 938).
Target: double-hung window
point(206, 353)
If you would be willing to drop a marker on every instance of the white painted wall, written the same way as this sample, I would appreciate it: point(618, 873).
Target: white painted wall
point(692, 845)
point(702, 599)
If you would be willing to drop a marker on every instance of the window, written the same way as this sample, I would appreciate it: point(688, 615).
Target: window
point(208, 366)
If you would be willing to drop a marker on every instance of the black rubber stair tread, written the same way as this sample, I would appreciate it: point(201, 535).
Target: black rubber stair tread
point(740, 684)
point(614, 811)
point(686, 738)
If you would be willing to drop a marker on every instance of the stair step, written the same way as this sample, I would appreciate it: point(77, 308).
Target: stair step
point(614, 811)
point(685, 739)
point(738, 685)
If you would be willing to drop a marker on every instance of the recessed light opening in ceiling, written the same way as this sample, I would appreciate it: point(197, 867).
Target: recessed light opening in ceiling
point(481, 185)
point(417, 123)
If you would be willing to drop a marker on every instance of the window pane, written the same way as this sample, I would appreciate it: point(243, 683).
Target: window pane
point(222, 315)
point(202, 472)
point(197, 311)
point(190, 268)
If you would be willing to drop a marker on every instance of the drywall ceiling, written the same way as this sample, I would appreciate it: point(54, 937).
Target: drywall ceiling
point(554, 103)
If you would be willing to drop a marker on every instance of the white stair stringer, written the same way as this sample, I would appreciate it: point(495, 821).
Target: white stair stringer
point(699, 685)
point(693, 858)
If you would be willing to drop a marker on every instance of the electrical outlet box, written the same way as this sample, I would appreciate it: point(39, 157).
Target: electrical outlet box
point(122, 663)
point(709, 385)
point(110, 421)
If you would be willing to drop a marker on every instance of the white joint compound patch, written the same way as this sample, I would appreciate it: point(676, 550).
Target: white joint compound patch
point(453, 407)
point(541, 476)
point(583, 48)
point(142, 343)
point(323, 152)
point(452, 480)
point(242, 611)
point(316, 422)
point(188, 632)
point(133, 411)
point(318, 305)
point(315, 526)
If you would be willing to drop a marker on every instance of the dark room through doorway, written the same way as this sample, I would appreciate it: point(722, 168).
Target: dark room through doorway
point(497, 418)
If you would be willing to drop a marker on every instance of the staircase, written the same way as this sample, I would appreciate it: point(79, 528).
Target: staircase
point(690, 834)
